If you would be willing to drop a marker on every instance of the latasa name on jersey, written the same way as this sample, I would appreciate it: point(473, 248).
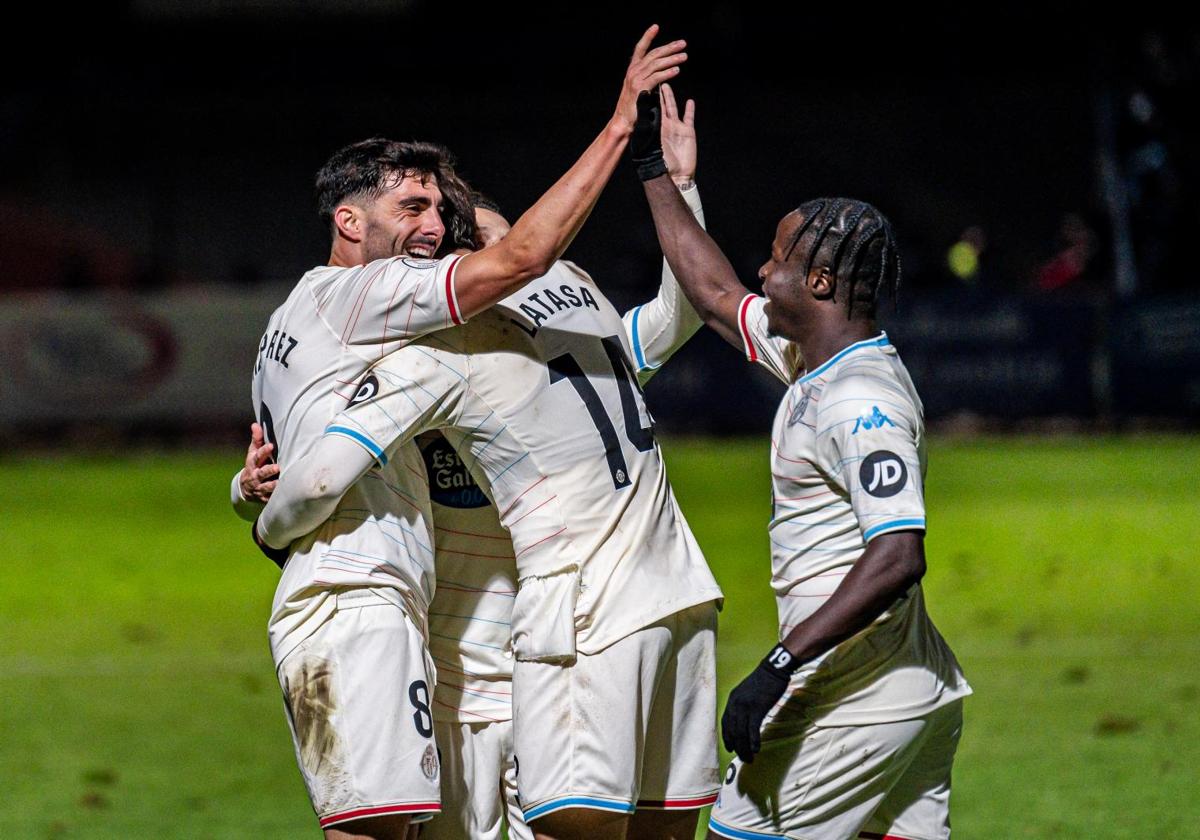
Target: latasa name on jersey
point(276, 346)
point(450, 484)
point(547, 303)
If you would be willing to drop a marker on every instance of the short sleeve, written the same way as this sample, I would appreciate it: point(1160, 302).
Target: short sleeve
point(387, 303)
point(414, 389)
point(868, 439)
point(778, 355)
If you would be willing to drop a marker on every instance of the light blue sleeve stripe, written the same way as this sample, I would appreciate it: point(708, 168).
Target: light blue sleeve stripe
point(740, 833)
point(894, 524)
point(362, 440)
point(578, 802)
point(637, 340)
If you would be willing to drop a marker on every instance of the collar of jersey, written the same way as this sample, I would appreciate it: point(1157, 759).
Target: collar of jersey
point(880, 340)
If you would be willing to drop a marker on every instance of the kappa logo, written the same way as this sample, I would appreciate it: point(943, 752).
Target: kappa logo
point(883, 474)
point(366, 390)
point(873, 419)
point(429, 763)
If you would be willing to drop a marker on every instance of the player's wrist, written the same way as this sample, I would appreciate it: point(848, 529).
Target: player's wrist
point(278, 556)
point(685, 183)
point(780, 663)
point(619, 128)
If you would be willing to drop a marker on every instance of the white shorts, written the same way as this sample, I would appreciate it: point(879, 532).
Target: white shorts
point(357, 692)
point(883, 780)
point(633, 726)
point(479, 783)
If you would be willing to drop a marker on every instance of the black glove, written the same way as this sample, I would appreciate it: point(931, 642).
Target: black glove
point(748, 704)
point(278, 556)
point(645, 146)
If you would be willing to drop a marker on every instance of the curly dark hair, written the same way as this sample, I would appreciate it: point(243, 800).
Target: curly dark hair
point(365, 170)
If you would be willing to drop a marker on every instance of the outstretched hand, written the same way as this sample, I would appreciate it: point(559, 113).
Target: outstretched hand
point(647, 69)
point(678, 135)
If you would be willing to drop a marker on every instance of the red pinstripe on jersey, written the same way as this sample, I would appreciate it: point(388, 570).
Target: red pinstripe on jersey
point(451, 297)
point(751, 351)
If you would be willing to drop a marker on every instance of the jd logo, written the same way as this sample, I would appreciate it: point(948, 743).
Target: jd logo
point(883, 474)
point(368, 389)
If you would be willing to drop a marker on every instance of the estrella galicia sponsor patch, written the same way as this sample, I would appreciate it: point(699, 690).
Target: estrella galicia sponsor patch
point(418, 263)
point(883, 474)
point(368, 388)
point(450, 483)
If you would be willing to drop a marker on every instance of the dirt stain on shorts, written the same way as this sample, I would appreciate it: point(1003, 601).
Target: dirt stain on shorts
point(312, 704)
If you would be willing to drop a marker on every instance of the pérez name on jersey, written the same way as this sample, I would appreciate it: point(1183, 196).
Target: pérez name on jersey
point(276, 346)
point(546, 303)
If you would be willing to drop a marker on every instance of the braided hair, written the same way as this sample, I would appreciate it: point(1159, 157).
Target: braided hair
point(857, 244)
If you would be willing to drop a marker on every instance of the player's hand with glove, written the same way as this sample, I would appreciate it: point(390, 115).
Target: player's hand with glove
point(752, 699)
point(645, 144)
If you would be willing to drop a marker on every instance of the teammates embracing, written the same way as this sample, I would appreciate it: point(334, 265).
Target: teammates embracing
point(491, 604)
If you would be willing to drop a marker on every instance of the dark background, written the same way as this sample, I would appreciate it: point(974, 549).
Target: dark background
point(157, 147)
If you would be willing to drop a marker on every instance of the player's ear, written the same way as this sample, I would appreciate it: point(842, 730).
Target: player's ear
point(349, 221)
point(821, 283)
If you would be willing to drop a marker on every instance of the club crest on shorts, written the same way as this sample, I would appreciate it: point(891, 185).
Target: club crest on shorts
point(429, 763)
point(368, 388)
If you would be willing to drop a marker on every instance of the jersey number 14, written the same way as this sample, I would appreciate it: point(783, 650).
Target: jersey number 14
point(568, 368)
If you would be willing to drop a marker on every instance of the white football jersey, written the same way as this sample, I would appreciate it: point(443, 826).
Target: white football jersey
point(470, 635)
point(539, 396)
point(470, 617)
point(848, 464)
point(333, 326)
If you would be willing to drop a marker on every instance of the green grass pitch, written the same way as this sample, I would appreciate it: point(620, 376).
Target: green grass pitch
point(137, 697)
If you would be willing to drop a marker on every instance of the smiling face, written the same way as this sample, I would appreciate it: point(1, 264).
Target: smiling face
point(790, 295)
point(404, 220)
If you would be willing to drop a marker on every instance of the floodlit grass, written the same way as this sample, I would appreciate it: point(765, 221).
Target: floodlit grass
point(137, 697)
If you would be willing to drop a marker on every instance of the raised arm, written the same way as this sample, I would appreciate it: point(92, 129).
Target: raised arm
point(703, 271)
point(543, 233)
point(662, 325)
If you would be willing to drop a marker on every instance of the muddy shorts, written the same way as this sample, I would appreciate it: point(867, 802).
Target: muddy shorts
point(358, 692)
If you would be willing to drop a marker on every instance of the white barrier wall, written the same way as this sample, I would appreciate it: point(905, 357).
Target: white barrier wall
point(107, 356)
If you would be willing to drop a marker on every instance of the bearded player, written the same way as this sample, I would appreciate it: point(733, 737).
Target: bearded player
point(613, 620)
point(347, 626)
